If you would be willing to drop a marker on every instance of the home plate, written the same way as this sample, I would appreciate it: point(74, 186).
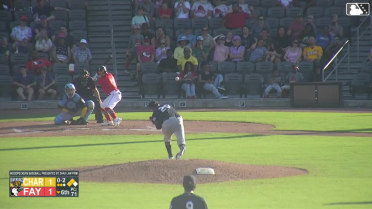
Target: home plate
point(205, 171)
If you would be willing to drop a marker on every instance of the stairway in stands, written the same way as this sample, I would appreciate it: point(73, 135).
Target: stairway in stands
point(345, 75)
point(101, 15)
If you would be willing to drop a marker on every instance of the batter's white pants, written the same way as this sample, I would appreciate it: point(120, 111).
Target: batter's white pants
point(172, 126)
point(112, 100)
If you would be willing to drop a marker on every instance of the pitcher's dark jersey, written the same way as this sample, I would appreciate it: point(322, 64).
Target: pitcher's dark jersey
point(163, 113)
point(187, 201)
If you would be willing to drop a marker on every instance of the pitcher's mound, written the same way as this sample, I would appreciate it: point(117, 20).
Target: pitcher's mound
point(172, 171)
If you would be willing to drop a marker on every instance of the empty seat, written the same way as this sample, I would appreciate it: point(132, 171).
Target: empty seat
point(76, 4)
point(251, 22)
point(60, 69)
point(181, 23)
point(4, 69)
point(273, 23)
point(60, 15)
point(293, 11)
point(77, 25)
point(253, 2)
point(22, 5)
point(4, 27)
point(233, 83)
point(306, 68)
point(286, 21)
point(5, 85)
point(61, 81)
point(265, 69)
point(329, 11)
point(78, 34)
point(260, 11)
point(19, 58)
point(150, 84)
point(77, 14)
point(219, 31)
point(59, 3)
point(5, 16)
point(269, 3)
point(164, 23)
point(315, 11)
point(245, 67)
point(215, 23)
point(199, 22)
point(322, 21)
point(324, 3)
point(226, 67)
point(149, 67)
point(277, 12)
point(253, 84)
point(284, 68)
point(57, 24)
point(169, 86)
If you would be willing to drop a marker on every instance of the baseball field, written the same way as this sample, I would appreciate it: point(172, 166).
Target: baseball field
point(332, 148)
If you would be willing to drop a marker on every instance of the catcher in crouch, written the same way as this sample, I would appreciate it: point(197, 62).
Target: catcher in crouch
point(166, 118)
point(71, 104)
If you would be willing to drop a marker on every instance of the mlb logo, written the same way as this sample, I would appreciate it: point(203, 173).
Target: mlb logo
point(357, 9)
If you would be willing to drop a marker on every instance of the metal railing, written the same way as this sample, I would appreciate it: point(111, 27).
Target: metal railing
point(337, 61)
point(360, 34)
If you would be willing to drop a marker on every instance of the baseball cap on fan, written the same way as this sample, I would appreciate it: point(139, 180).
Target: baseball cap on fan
point(83, 41)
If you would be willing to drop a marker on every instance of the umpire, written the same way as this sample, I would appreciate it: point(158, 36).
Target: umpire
point(87, 89)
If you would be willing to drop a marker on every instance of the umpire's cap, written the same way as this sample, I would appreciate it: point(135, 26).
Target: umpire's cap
point(189, 183)
point(153, 104)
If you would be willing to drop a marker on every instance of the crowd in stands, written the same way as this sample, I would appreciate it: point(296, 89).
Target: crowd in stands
point(211, 32)
point(34, 38)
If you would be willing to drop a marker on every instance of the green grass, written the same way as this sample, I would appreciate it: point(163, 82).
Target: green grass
point(340, 172)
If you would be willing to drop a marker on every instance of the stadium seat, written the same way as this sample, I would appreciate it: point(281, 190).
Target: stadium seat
point(329, 11)
point(59, 3)
point(214, 66)
point(78, 34)
point(261, 11)
point(233, 83)
point(199, 23)
point(265, 69)
point(4, 27)
point(251, 22)
point(76, 4)
point(253, 84)
point(226, 67)
point(361, 84)
point(215, 23)
point(293, 11)
point(322, 21)
point(60, 15)
point(181, 23)
point(149, 67)
point(60, 69)
point(253, 2)
point(324, 3)
point(286, 21)
point(150, 84)
point(219, 31)
point(5, 85)
point(269, 3)
point(77, 14)
point(55, 25)
point(170, 87)
point(164, 23)
point(306, 68)
point(277, 12)
point(5, 16)
point(245, 67)
point(77, 25)
point(61, 81)
point(284, 68)
point(22, 5)
point(341, 3)
point(4, 69)
point(315, 11)
point(273, 23)
point(18, 58)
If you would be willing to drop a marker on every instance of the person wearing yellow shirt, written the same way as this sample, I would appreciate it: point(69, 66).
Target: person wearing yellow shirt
point(187, 58)
point(178, 51)
point(314, 53)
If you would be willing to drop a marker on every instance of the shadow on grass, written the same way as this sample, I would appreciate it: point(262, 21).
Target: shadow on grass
point(348, 203)
point(123, 143)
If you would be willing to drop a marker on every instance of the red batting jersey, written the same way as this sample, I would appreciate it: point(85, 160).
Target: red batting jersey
point(108, 83)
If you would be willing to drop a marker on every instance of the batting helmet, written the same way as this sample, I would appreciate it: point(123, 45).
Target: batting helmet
point(102, 68)
point(153, 104)
point(70, 90)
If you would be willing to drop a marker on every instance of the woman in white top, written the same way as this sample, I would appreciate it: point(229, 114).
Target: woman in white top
point(43, 42)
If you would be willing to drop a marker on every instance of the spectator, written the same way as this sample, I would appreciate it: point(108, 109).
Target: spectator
point(43, 43)
point(5, 49)
point(314, 53)
point(187, 58)
point(275, 81)
point(169, 64)
point(308, 32)
point(160, 36)
point(188, 78)
point(221, 52)
point(69, 40)
point(62, 52)
point(304, 4)
point(179, 51)
point(323, 39)
point(160, 52)
point(235, 19)
point(24, 83)
point(164, 11)
point(281, 41)
point(36, 63)
point(147, 33)
point(201, 9)
point(42, 24)
point(220, 9)
point(201, 52)
point(293, 53)
point(46, 84)
point(332, 49)
point(22, 34)
point(210, 82)
point(297, 27)
point(182, 9)
point(135, 40)
point(82, 57)
point(247, 37)
point(237, 51)
point(257, 51)
point(286, 3)
point(335, 28)
point(265, 36)
point(189, 197)
point(140, 18)
point(208, 40)
point(44, 8)
point(190, 36)
point(243, 7)
point(229, 39)
point(310, 20)
point(272, 55)
point(148, 8)
point(294, 76)
point(261, 25)
point(145, 53)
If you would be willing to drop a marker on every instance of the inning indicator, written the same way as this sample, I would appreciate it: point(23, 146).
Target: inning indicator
point(43, 183)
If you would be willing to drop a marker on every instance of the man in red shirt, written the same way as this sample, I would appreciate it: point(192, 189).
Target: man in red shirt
point(37, 63)
point(108, 83)
point(235, 19)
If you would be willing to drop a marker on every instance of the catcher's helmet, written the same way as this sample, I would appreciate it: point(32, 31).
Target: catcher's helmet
point(70, 90)
point(153, 104)
point(102, 68)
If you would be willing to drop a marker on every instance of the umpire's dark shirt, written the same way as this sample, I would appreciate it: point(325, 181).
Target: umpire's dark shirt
point(162, 114)
point(85, 90)
point(188, 200)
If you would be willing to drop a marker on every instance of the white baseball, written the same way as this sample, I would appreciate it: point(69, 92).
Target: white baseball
point(177, 78)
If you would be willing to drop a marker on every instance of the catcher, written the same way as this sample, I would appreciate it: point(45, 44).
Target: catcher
point(71, 104)
point(166, 118)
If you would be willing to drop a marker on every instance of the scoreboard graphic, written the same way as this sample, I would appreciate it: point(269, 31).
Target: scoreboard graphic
point(43, 183)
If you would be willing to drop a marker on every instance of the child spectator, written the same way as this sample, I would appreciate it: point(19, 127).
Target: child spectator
point(46, 84)
point(275, 81)
point(229, 39)
point(147, 33)
point(221, 52)
point(24, 83)
point(140, 18)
